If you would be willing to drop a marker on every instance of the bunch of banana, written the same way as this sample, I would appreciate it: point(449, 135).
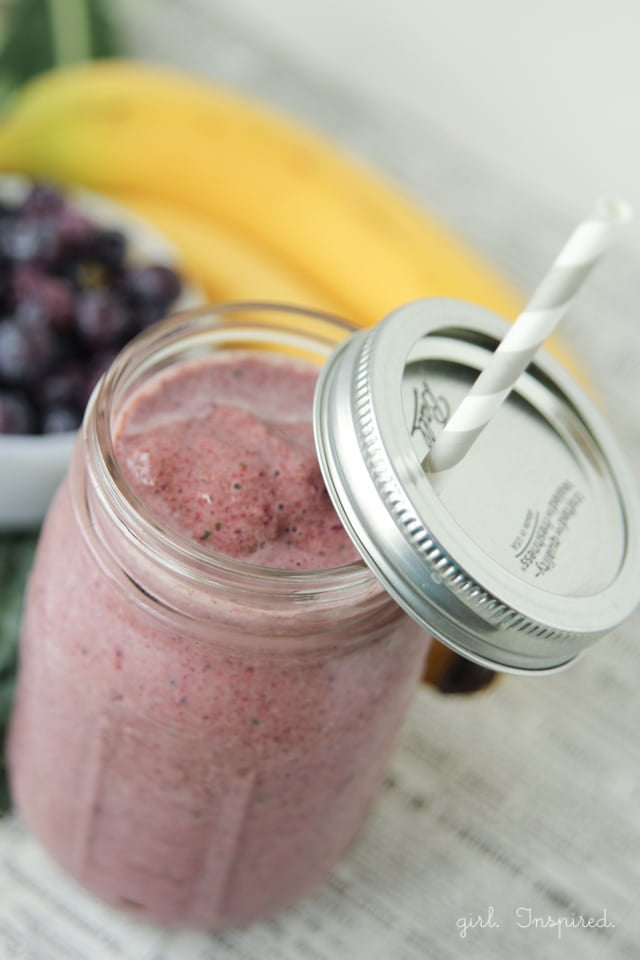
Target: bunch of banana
point(259, 207)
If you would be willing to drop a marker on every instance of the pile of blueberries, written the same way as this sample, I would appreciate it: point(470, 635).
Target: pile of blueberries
point(70, 298)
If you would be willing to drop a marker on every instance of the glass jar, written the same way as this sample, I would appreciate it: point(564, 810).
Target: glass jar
point(196, 739)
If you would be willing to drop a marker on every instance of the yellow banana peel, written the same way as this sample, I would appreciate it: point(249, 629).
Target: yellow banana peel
point(224, 264)
point(121, 125)
point(283, 213)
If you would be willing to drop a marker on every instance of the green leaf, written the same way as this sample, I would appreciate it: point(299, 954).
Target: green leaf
point(7, 687)
point(5, 798)
point(16, 557)
point(6, 695)
point(43, 34)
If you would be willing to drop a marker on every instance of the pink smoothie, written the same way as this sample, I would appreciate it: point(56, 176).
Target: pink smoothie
point(224, 453)
point(205, 758)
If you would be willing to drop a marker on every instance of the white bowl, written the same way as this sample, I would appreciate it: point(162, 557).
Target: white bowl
point(31, 467)
point(30, 470)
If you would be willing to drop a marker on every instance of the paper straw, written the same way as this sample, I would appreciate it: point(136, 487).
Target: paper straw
point(513, 354)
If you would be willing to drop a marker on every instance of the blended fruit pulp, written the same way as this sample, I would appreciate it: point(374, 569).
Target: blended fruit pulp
point(167, 754)
point(224, 453)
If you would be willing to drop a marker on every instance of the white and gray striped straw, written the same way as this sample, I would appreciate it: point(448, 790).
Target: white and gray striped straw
point(546, 308)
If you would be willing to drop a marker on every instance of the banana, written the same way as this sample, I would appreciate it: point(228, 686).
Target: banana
point(118, 126)
point(224, 264)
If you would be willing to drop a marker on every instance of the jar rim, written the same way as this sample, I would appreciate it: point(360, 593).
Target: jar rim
point(171, 340)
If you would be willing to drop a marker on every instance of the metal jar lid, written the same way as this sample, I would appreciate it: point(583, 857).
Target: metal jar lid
point(530, 551)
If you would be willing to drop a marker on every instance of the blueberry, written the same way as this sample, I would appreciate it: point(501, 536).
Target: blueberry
point(76, 232)
point(83, 273)
point(101, 318)
point(60, 419)
point(98, 364)
point(147, 314)
point(110, 248)
point(25, 240)
point(6, 282)
point(157, 285)
point(24, 353)
point(16, 414)
point(43, 200)
point(64, 387)
point(37, 292)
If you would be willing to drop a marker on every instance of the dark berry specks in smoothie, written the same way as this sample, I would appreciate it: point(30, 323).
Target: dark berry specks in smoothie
point(222, 451)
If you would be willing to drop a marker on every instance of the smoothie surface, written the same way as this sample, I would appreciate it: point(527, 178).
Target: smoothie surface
point(222, 451)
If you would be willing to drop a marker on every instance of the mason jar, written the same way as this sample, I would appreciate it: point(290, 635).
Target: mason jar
point(198, 739)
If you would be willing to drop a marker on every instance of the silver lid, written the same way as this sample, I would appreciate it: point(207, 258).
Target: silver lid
point(530, 552)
